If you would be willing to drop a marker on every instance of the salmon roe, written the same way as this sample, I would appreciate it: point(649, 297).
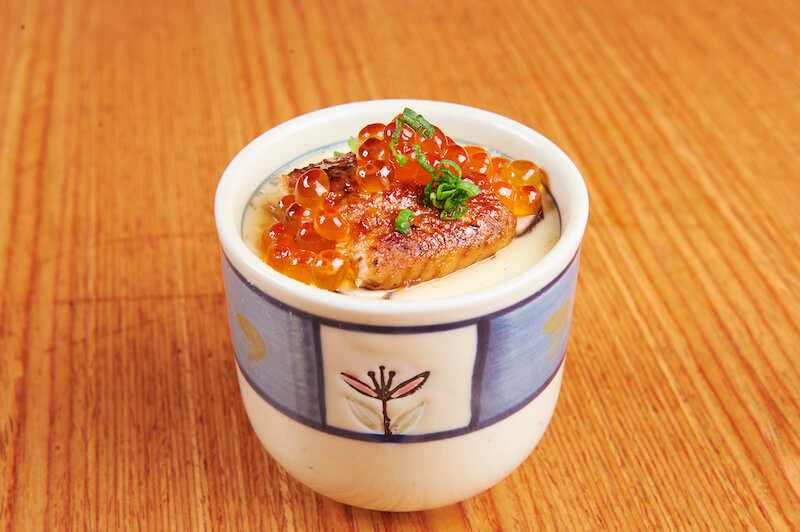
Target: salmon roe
point(295, 215)
point(373, 149)
point(312, 188)
point(520, 172)
point(374, 175)
point(504, 192)
point(330, 269)
point(329, 223)
point(499, 163)
point(371, 130)
point(284, 203)
point(279, 257)
point(308, 238)
point(300, 265)
point(527, 201)
point(480, 162)
point(457, 154)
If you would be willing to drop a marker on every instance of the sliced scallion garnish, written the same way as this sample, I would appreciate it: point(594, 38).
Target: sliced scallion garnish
point(446, 191)
point(418, 123)
point(451, 164)
point(354, 144)
point(422, 162)
point(403, 221)
point(398, 126)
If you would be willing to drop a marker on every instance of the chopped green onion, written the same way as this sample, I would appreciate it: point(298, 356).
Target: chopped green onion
point(418, 123)
point(446, 176)
point(455, 215)
point(451, 193)
point(452, 164)
point(402, 159)
point(471, 188)
point(421, 160)
point(354, 144)
point(337, 153)
point(398, 125)
point(427, 195)
point(403, 221)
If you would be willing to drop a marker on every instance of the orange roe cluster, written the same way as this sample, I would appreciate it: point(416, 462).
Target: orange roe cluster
point(302, 245)
point(518, 183)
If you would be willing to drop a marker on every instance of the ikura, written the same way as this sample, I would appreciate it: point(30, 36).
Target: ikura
point(412, 172)
point(299, 267)
point(436, 143)
point(472, 150)
point(373, 149)
point(480, 162)
point(308, 238)
point(504, 192)
point(276, 234)
point(329, 224)
point(295, 215)
point(278, 257)
point(371, 131)
point(499, 163)
point(311, 188)
point(457, 154)
point(527, 201)
point(521, 172)
point(407, 136)
point(374, 176)
point(330, 269)
point(284, 203)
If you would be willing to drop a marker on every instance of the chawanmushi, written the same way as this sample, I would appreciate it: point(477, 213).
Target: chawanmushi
point(405, 205)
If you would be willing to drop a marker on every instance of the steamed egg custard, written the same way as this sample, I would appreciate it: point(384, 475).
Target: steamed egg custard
point(403, 212)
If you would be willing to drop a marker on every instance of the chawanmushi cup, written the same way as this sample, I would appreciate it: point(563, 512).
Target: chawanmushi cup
point(399, 405)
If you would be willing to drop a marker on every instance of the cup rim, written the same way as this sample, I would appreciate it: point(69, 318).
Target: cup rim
point(391, 312)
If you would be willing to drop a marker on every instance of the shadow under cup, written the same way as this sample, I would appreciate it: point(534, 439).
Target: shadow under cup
point(399, 405)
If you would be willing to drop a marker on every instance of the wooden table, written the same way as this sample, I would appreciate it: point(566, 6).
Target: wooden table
point(118, 398)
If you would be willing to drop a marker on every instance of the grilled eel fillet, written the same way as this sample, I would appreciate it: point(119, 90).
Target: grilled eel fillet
point(382, 257)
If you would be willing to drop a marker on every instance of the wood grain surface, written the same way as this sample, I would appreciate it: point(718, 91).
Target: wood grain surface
point(119, 405)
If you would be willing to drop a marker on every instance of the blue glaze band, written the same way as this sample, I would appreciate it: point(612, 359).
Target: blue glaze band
point(517, 352)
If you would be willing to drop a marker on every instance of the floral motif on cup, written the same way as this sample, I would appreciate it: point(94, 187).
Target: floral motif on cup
point(556, 326)
point(256, 348)
point(381, 389)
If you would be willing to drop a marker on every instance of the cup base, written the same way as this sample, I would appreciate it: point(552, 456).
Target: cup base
point(401, 477)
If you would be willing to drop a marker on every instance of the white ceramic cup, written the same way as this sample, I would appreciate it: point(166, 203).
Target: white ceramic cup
point(399, 405)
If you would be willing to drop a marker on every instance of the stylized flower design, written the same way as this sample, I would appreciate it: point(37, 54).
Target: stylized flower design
point(556, 326)
point(256, 348)
point(382, 390)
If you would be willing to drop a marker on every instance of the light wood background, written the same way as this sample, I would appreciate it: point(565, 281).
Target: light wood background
point(118, 400)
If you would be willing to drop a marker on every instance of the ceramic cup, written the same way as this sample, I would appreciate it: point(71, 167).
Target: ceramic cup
point(398, 405)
